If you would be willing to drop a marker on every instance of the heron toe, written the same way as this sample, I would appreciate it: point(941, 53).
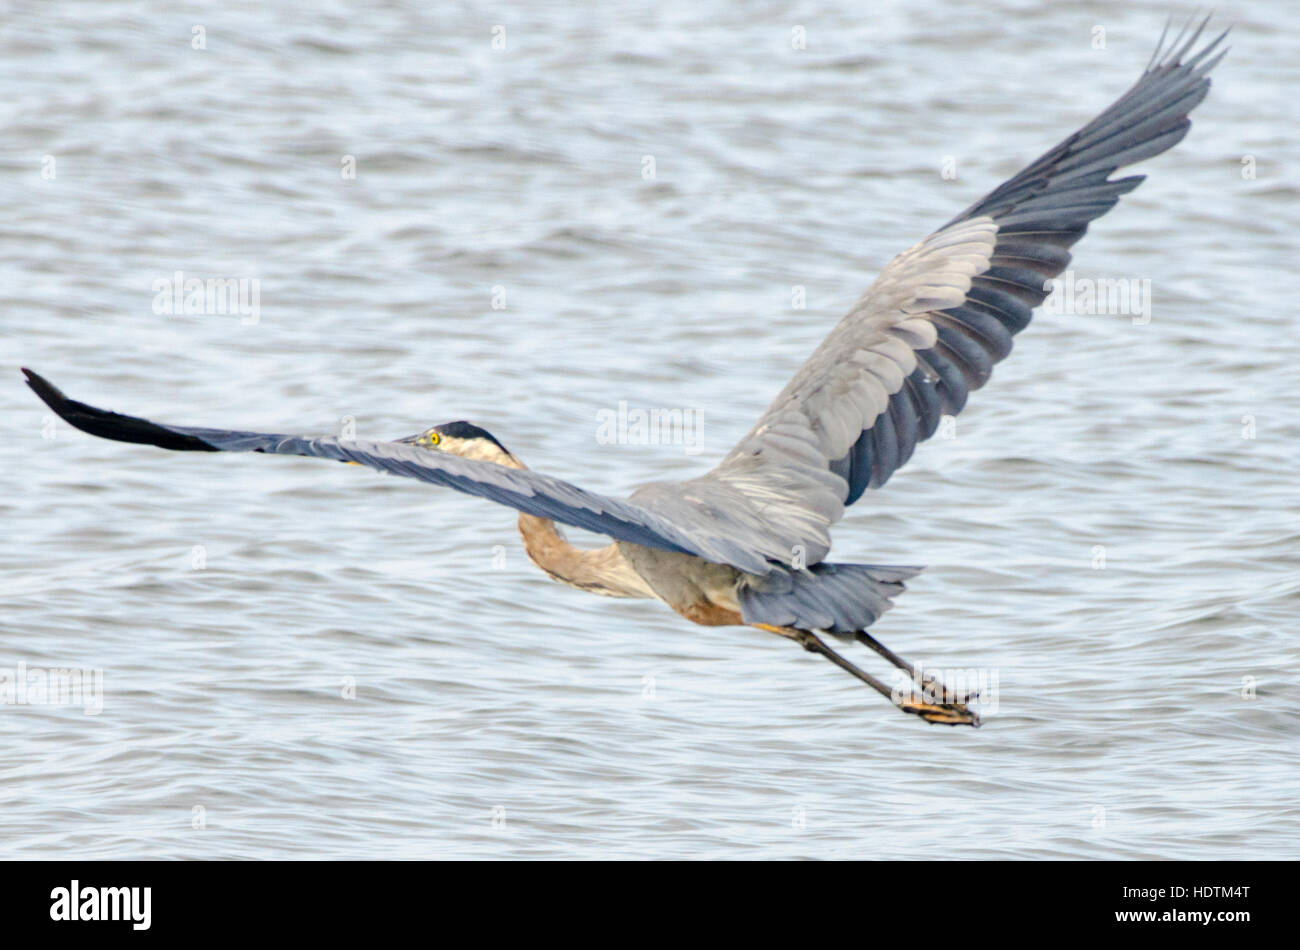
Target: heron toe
point(950, 714)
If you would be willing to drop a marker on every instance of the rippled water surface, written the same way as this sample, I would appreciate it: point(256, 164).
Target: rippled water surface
point(302, 659)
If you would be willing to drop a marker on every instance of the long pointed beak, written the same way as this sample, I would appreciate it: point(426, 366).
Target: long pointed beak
point(411, 439)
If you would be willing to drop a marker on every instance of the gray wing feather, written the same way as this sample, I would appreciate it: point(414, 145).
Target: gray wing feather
point(940, 315)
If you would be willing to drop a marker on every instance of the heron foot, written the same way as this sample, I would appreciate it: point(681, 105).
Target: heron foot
point(947, 713)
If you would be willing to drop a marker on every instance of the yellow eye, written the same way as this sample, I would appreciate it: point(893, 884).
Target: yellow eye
point(433, 438)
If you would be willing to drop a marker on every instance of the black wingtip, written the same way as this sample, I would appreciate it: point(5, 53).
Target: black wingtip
point(48, 392)
point(111, 425)
point(43, 387)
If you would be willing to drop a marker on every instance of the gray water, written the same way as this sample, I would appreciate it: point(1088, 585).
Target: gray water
point(302, 659)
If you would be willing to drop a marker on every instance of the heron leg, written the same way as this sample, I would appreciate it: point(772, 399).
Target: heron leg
point(949, 713)
point(918, 677)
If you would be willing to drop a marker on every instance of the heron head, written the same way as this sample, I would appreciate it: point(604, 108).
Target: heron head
point(466, 440)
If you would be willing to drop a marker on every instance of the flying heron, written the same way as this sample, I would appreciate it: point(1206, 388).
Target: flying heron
point(746, 543)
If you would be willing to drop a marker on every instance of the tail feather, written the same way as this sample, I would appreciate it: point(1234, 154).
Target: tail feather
point(837, 598)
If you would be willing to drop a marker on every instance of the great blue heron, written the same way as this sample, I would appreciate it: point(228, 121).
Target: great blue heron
point(745, 543)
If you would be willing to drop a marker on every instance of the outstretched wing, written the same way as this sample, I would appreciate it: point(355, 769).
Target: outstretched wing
point(521, 489)
point(938, 317)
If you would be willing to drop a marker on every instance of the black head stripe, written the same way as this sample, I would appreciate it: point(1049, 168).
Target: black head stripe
point(467, 430)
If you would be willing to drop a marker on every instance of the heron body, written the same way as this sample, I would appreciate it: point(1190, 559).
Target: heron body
point(747, 542)
point(699, 590)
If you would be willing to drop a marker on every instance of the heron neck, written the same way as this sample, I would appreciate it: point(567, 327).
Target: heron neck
point(599, 570)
